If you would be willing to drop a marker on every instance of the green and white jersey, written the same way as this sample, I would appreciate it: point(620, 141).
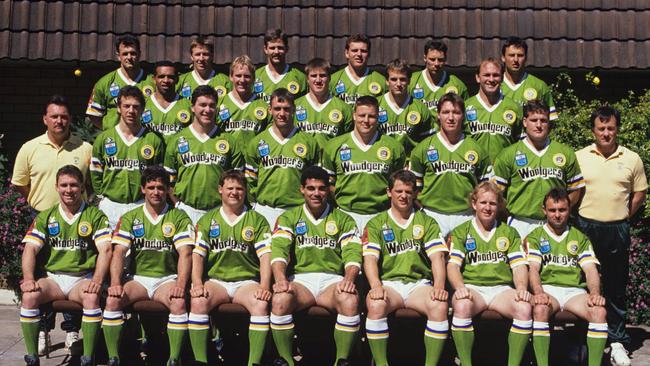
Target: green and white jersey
point(409, 123)
point(274, 165)
point(69, 245)
point(103, 100)
point(360, 172)
point(153, 243)
point(116, 164)
point(403, 251)
point(446, 173)
point(291, 79)
point(349, 88)
point(324, 122)
point(167, 121)
point(196, 163)
point(529, 88)
point(189, 81)
point(528, 174)
point(327, 244)
point(561, 257)
point(243, 121)
point(232, 249)
point(495, 127)
point(486, 260)
point(423, 89)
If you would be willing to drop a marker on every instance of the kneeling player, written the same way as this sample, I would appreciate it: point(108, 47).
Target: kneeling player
point(160, 239)
point(232, 249)
point(73, 240)
point(324, 243)
point(558, 256)
point(483, 254)
point(402, 247)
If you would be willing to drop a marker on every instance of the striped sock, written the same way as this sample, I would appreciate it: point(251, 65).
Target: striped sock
point(435, 335)
point(596, 340)
point(541, 342)
point(176, 329)
point(377, 333)
point(199, 331)
point(282, 331)
point(462, 331)
point(91, 321)
point(112, 326)
point(345, 334)
point(518, 340)
point(29, 319)
point(258, 329)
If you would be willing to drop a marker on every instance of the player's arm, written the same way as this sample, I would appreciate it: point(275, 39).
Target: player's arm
point(438, 269)
point(95, 121)
point(593, 284)
point(281, 242)
point(104, 247)
point(170, 163)
point(501, 169)
point(535, 283)
point(575, 197)
point(371, 254)
point(199, 255)
point(184, 271)
point(97, 166)
point(115, 270)
point(351, 253)
point(328, 163)
point(519, 266)
point(28, 283)
point(454, 265)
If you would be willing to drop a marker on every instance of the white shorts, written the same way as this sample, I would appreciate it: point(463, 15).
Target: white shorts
point(68, 282)
point(316, 282)
point(448, 221)
point(405, 289)
point(360, 219)
point(233, 286)
point(194, 213)
point(271, 214)
point(151, 284)
point(488, 293)
point(115, 210)
point(563, 294)
point(524, 225)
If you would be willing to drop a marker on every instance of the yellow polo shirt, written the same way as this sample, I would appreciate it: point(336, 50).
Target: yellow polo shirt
point(39, 159)
point(609, 182)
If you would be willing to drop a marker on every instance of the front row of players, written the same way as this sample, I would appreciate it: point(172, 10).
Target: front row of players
point(315, 255)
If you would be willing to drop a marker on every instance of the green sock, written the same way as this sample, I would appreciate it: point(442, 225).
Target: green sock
point(29, 319)
point(258, 329)
point(596, 340)
point(282, 331)
point(112, 325)
point(377, 333)
point(435, 335)
point(541, 342)
point(518, 340)
point(176, 329)
point(345, 334)
point(91, 321)
point(199, 330)
point(462, 331)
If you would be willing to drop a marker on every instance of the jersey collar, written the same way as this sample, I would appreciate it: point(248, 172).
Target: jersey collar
point(201, 81)
point(534, 150)
point(430, 84)
point(391, 103)
point(127, 80)
point(71, 221)
point(281, 140)
point(353, 78)
point(205, 138)
point(160, 216)
point(314, 104)
point(236, 220)
point(242, 106)
point(124, 140)
point(280, 76)
point(550, 233)
point(408, 222)
point(447, 145)
point(311, 218)
point(485, 106)
point(512, 86)
point(477, 228)
point(160, 108)
point(363, 147)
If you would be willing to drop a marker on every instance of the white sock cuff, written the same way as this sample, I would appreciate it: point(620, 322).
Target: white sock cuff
point(440, 326)
point(113, 315)
point(178, 318)
point(526, 324)
point(260, 319)
point(199, 318)
point(30, 312)
point(348, 320)
point(598, 326)
point(461, 322)
point(377, 324)
point(540, 325)
point(281, 319)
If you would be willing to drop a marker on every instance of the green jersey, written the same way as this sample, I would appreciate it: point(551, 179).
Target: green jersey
point(347, 87)
point(232, 249)
point(561, 257)
point(69, 245)
point(243, 120)
point(197, 162)
point(528, 175)
point(116, 164)
point(529, 88)
point(291, 79)
point(360, 172)
point(167, 121)
point(403, 251)
point(325, 121)
point(409, 123)
point(495, 127)
point(274, 165)
point(448, 173)
point(327, 244)
point(423, 89)
point(103, 100)
point(486, 259)
point(153, 243)
point(189, 81)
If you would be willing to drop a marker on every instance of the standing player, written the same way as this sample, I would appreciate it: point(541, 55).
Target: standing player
point(448, 166)
point(492, 120)
point(277, 73)
point(319, 113)
point(360, 162)
point(203, 72)
point(72, 242)
point(159, 239)
point(102, 106)
point(402, 253)
point(534, 165)
point(319, 245)
point(356, 79)
point(486, 260)
point(519, 85)
point(120, 154)
point(562, 266)
point(231, 264)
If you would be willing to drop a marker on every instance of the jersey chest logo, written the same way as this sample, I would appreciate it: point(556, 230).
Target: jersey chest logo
point(186, 92)
point(471, 114)
point(520, 159)
point(53, 227)
point(222, 147)
point(146, 116)
point(572, 247)
point(110, 147)
point(84, 228)
point(345, 153)
point(509, 116)
point(301, 113)
point(383, 153)
point(215, 229)
point(544, 246)
point(502, 244)
point(300, 150)
point(147, 152)
point(432, 154)
point(340, 87)
point(183, 145)
point(470, 244)
point(301, 228)
point(388, 234)
point(248, 233)
point(559, 159)
point(114, 90)
point(471, 157)
point(335, 116)
point(137, 229)
point(168, 229)
point(413, 117)
point(260, 113)
point(418, 93)
point(183, 116)
point(258, 86)
point(383, 116)
point(530, 94)
point(221, 90)
point(263, 148)
point(293, 87)
point(331, 228)
point(418, 232)
point(374, 88)
point(224, 114)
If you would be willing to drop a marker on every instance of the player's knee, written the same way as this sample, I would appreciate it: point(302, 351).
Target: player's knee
point(113, 303)
point(347, 301)
point(462, 308)
point(30, 300)
point(541, 313)
point(89, 301)
point(177, 306)
point(437, 309)
point(199, 305)
point(522, 310)
point(376, 308)
point(597, 314)
point(259, 308)
point(281, 302)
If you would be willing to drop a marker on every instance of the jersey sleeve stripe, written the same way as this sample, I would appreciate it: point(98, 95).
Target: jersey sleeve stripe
point(456, 257)
point(29, 239)
point(577, 184)
point(278, 259)
point(96, 165)
point(95, 109)
point(356, 264)
point(372, 249)
point(500, 181)
point(435, 246)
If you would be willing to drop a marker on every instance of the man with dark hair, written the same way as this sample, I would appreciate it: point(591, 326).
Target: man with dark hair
point(102, 110)
point(203, 72)
point(616, 180)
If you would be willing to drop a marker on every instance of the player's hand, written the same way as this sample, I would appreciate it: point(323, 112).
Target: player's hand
point(595, 300)
point(522, 295)
point(116, 291)
point(463, 293)
point(377, 293)
point(262, 294)
point(91, 287)
point(439, 294)
point(541, 299)
point(198, 291)
point(176, 292)
point(346, 286)
point(282, 286)
point(29, 286)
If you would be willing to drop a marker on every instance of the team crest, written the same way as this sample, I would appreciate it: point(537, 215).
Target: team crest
point(413, 117)
point(263, 148)
point(388, 235)
point(432, 154)
point(183, 145)
point(520, 159)
point(559, 159)
point(418, 232)
point(382, 117)
point(84, 228)
point(418, 93)
point(183, 116)
point(335, 116)
point(53, 227)
point(331, 228)
point(502, 244)
point(222, 146)
point(300, 150)
point(340, 87)
point(258, 86)
point(221, 91)
point(293, 87)
point(147, 151)
point(147, 90)
point(301, 227)
point(470, 244)
point(260, 113)
point(471, 114)
point(215, 229)
point(530, 94)
point(572, 247)
point(224, 113)
point(509, 116)
point(374, 88)
point(137, 229)
point(451, 89)
point(114, 89)
point(168, 229)
point(248, 233)
point(301, 113)
point(186, 92)
point(345, 153)
point(383, 153)
point(471, 157)
point(146, 116)
point(544, 246)
point(110, 147)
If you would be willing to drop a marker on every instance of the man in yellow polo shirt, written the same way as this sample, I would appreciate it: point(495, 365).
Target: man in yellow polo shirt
point(616, 187)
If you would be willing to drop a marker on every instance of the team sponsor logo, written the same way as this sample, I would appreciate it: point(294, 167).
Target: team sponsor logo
point(476, 127)
point(186, 91)
point(475, 257)
point(315, 241)
point(243, 125)
point(432, 154)
point(364, 166)
point(395, 248)
point(527, 174)
point(440, 167)
point(471, 157)
point(84, 228)
point(147, 116)
point(418, 93)
point(388, 234)
point(559, 159)
point(147, 90)
point(340, 87)
point(530, 94)
point(137, 228)
point(471, 114)
point(147, 151)
point(301, 113)
point(413, 117)
point(301, 227)
point(183, 116)
point(114, 90)
point(282, 161)
point(470, 244)
point(263, 148)
point(345, 153)
point(53, 227)
point(248, 233)
point(509, 116)
point(228, 244)
point(258, 86)
point(374, 88)
point(300, 150)
point(260, 113)
point(110, 147)
point(572, 247)
point(335, 116)
point(520, 159)
point(319, 127)
point(224, 113)
point(68, 244)
point(221, 90)
point(451, 89)
point(382, 117)
point(293, 87)
point(168, 229)
point(418, 232)
point(383, 153)
point(544, 246)
point(502, 244)
point(203, 158)
point(331, 228)
point(215, 229)
point(183, 145)
point(222, 146)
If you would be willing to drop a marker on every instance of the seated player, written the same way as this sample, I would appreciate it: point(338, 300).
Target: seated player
point(319, 245)
point(231, 264)
point(402, 248)
point(73, 243)
point(159, 240)
point(559, 256)
point(486, 260)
